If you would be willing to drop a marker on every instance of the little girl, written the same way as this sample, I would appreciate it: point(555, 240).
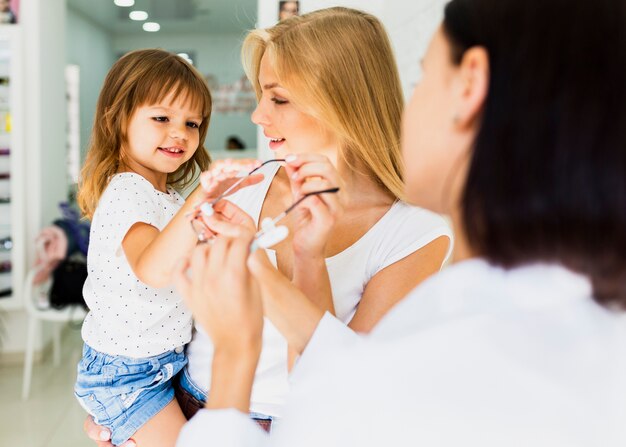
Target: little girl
point(150, 124)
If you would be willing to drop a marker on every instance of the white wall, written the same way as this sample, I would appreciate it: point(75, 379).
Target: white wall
point(43, 95)
point(214, 54)
point(90, 47)
point(410, 25)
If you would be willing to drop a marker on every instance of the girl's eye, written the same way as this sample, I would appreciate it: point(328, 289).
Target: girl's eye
point(160, 119)
point(278, 101)
point(193, 125)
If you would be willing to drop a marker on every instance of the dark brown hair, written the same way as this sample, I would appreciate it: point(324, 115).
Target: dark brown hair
point(547, 178)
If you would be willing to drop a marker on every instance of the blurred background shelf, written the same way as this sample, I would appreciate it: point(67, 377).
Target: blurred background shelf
point(12, 170)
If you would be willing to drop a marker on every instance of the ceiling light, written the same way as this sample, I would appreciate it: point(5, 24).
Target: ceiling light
point(151, 27)
point(124, 3)
point(138, 15)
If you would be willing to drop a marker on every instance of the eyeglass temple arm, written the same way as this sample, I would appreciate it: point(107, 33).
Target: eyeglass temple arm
point(234, 185)
point(297, 202)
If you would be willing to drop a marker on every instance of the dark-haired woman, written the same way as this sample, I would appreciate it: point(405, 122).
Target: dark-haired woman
point(518, 131)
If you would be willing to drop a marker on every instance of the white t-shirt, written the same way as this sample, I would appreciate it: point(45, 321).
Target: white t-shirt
point(475, 356)
point(126, 316)
point(401, 231)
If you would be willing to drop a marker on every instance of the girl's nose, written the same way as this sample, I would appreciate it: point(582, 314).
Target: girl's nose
point(178, 132)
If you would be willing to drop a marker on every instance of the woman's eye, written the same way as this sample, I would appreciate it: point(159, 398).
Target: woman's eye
point(279, 101)
point(193, 125)
point(160, 119)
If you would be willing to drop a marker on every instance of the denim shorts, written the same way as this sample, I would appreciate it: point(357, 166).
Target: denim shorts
point(123, 393)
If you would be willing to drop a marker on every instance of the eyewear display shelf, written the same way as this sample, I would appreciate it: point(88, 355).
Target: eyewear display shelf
point(12, 225)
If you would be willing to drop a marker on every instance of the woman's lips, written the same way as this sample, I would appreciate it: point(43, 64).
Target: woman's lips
point(276, 143)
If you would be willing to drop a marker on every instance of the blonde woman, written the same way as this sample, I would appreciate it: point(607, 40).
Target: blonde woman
point(330, 101)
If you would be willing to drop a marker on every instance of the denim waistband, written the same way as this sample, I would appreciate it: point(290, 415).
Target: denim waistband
point(187, 384)
point(94, 357)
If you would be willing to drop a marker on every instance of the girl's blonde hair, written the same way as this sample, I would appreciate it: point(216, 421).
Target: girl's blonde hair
point(142, 77)
point(340, 68)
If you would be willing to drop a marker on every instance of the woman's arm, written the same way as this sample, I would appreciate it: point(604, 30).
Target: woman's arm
point(287, 307)
point(395, 281)
point(222, 295)
point(314, 222)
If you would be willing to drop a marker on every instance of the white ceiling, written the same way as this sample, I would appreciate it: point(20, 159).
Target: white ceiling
point(174, 16)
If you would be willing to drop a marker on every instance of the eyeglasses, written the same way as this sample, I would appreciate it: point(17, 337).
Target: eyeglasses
point(269, 234)
point(207, 207)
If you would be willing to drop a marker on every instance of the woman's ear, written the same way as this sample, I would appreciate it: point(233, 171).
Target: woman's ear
point(473, 80)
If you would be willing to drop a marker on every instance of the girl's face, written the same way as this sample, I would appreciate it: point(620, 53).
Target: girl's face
point(290, 130)
point(161, 137)
point(437, 131)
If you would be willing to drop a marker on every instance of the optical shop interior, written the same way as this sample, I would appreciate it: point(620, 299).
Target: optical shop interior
point(312, 223)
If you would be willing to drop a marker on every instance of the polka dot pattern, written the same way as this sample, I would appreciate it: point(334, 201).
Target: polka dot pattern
point(126, 316)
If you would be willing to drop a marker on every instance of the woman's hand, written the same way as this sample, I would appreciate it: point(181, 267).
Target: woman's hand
point(226, 302)
point(101, 435)
point(315, 215)
point(221, 293)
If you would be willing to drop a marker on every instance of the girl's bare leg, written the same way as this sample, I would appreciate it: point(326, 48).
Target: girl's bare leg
point(163, 429)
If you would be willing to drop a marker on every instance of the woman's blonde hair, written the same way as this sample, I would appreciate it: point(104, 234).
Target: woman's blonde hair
point(138, 78)
point(340, 68)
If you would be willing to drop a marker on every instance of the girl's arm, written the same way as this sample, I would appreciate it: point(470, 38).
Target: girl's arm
point(152, 254)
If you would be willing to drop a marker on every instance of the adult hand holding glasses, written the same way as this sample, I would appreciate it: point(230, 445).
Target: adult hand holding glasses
point(312, 227)
point(309, 184)
point(226, 302)
point(315, 217)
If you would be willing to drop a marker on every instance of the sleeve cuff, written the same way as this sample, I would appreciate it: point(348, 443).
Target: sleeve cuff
point(226, 428)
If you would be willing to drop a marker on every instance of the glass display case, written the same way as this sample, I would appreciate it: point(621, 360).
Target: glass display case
point(11, 165)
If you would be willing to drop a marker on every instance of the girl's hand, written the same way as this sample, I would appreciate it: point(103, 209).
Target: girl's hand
point(316, 215)
point(229, 213)
point(101, 434)
point(212, 186)
point(221, 293)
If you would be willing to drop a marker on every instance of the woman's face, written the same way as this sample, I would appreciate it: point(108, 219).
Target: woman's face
point(434, 145)
point(290, 130)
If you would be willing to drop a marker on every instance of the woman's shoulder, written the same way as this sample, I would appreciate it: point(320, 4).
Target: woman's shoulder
point(404, 219)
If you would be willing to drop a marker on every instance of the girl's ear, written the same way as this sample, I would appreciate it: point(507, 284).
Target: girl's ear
point(472, 88)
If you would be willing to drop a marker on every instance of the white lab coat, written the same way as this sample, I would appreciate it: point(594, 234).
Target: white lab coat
point(475, 356)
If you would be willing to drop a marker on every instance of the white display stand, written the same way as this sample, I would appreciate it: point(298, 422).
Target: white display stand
point(12, 164)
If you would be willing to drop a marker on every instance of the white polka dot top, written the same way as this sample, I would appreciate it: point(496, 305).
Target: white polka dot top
point(127, 317)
